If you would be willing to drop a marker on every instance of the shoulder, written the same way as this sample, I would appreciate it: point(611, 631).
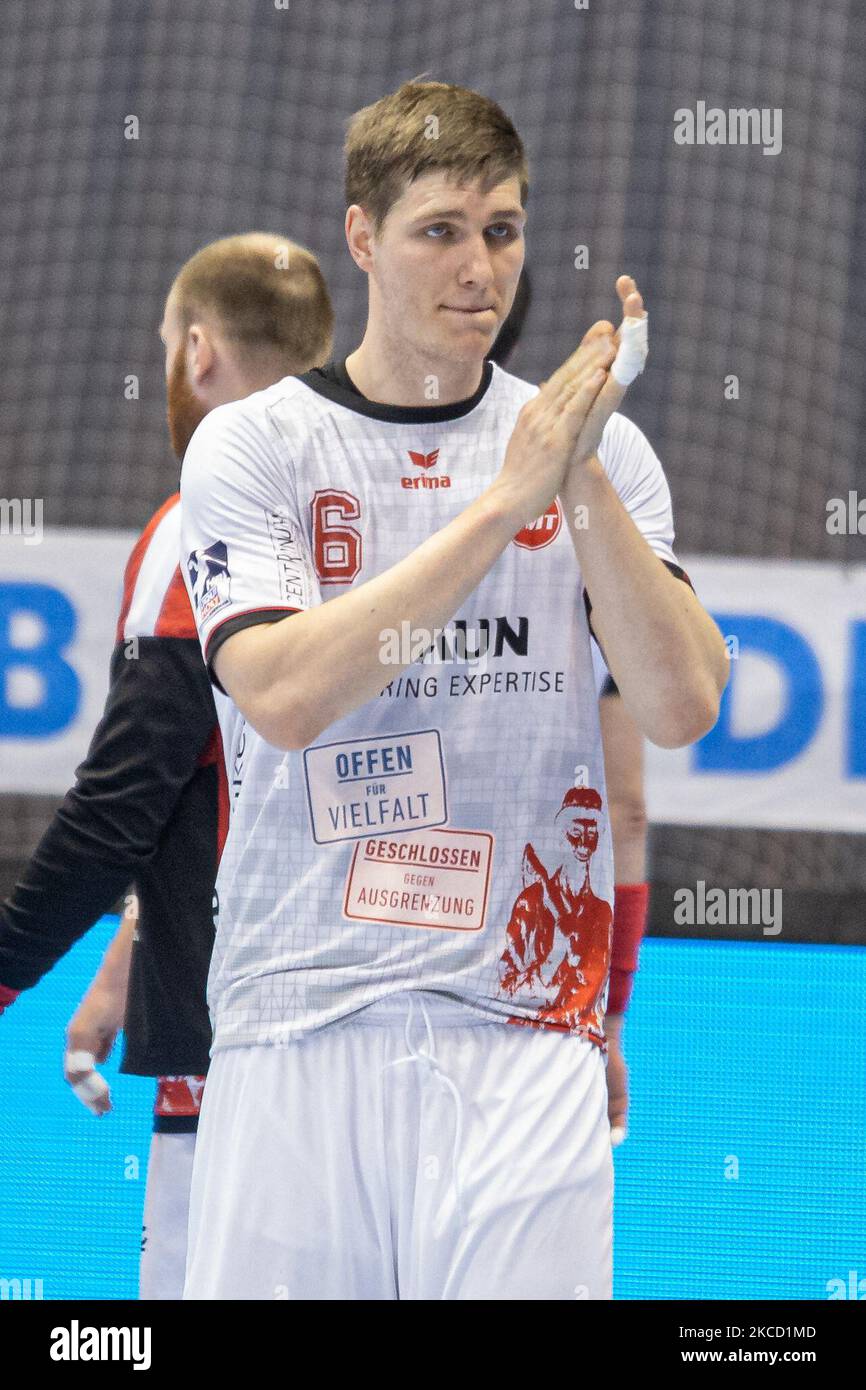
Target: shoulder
point(248, 435)
point(165, 519)
point(235, 446)
point(627, 456)
point(245, 421)
point(154, 599)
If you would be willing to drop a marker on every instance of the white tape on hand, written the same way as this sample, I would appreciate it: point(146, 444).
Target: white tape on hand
point(632, 352)
point(90, 1088)
point(617, 1135)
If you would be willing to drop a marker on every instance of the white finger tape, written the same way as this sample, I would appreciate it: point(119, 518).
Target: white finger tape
point(92, 1087)
point(80, 1061)
point(633, 348)
point(617, 1135)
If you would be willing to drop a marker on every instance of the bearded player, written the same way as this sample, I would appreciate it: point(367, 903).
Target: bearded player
point(150, 804)
point(369, 515)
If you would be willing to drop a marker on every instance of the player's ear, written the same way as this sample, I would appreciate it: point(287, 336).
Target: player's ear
point(359, 236)
point(200, 352)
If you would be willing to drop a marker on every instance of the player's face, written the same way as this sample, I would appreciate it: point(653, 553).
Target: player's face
point(582, 835)
point(184, 409)
point(447, 262)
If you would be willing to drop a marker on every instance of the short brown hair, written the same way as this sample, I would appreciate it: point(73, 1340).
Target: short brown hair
point(268, 294)
point(388, 144)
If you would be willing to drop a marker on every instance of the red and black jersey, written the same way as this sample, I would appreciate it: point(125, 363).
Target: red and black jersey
point(149, 808)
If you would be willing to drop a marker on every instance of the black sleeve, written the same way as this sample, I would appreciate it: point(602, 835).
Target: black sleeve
point(675, 570)
point(157, 719)
point(230, 626)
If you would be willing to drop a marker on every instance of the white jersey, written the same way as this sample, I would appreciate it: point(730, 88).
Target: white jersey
point(451, 834)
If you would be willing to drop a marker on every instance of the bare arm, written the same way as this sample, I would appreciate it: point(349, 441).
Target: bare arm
point(111, 981)
point(338, 646)
point(663, 649)
point(94, 1026)
point(294, 678)
point(623, 745)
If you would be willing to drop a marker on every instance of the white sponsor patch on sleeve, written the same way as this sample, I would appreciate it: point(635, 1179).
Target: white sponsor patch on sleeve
point(293, 564)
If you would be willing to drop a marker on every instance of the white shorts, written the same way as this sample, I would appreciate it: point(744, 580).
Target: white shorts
point(413, 1151)
point(166, 1216)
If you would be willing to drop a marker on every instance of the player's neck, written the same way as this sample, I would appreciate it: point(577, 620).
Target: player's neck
point(395, 375)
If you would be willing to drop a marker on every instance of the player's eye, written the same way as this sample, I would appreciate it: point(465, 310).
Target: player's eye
point(502, 231)
point(435, 228)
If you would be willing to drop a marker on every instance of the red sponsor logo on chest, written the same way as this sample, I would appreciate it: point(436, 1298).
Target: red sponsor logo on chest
point(543, 530)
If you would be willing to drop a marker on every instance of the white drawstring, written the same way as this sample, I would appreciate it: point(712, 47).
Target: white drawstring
point(433, 1062)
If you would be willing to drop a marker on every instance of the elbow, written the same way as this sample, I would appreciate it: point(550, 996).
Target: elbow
point(688, 719)
point(283, 721)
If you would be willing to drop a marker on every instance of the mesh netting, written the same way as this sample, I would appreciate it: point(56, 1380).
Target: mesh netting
point(747, 259)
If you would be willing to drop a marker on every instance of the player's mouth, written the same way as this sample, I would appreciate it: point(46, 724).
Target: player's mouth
point(471, 312)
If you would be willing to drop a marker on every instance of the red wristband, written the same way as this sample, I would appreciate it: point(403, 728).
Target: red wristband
point(7, 997)
point(630, 904)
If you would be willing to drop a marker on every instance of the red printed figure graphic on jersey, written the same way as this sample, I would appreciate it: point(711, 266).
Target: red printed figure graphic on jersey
point(559, 933)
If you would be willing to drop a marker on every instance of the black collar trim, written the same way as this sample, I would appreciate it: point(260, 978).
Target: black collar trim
point(334, 382)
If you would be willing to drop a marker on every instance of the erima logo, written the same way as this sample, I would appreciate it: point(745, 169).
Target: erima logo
point(422, 480)
point(424, 460)
point(209, 577)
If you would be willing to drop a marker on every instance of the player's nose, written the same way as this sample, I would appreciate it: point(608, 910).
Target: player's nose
point(477, 267)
